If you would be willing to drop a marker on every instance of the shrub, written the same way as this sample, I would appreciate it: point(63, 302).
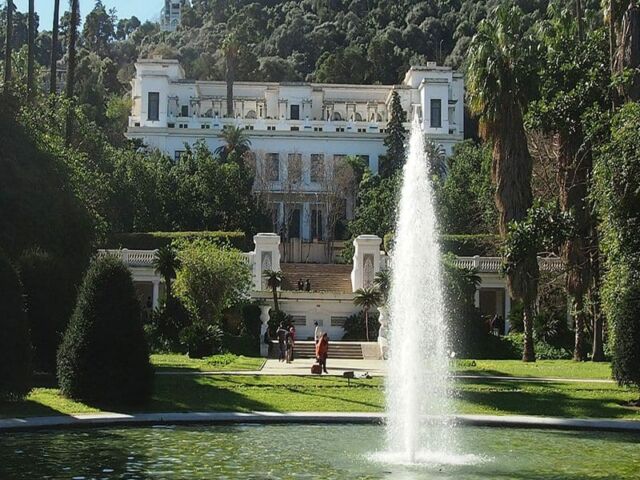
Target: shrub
point(15, 348)
point(50, 295)
point(201, 340)
point(166, 323)
point(157, 240)
point(276, 318)
point(104, 356)
point(354, 327)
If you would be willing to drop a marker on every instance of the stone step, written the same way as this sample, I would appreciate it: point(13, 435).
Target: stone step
point(323, 277)
point(306, 349)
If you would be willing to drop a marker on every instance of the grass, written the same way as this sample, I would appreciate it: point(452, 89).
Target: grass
point(541, 368)
point(287, 393)
point(217, 363)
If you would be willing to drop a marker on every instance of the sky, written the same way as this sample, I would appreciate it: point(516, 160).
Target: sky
point(143, 9)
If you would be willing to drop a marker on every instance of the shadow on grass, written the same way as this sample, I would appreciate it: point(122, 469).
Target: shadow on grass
point(550, 399)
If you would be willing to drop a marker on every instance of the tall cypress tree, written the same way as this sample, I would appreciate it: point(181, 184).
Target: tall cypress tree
point(7, 48)
point(395, 139)
point(53, 78)
point(71, 67)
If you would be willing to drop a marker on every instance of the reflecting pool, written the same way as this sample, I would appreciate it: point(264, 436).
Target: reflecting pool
point(309, 452)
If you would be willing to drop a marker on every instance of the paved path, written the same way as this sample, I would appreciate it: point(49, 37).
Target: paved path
point(119, 419)
point(374, 368)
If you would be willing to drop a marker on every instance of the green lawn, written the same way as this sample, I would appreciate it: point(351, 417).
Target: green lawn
point(216, 363)
point(285, 393)
point(541, 368)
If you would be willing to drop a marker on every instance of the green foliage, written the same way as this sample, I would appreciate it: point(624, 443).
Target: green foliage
point(15, 347)
point(201, 340)
point(394, 140)
point(276, 318)
point(355, 330)
point(104, 357)
point(157, 240)
point(50, 294)
point(211, 279)
point(511, 347)
point(617, 192)
point(471, 245)
point(166, 323)
point(465, 196)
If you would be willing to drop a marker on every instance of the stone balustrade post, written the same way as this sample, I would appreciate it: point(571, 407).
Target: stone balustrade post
point(264, 325)
point(267, 257)
point(366, 261)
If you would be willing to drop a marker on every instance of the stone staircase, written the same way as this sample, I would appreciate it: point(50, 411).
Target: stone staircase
point(323, 277)
point(307, 349)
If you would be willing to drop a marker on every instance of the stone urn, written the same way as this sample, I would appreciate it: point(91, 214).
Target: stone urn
point(264, 319)
point(383, 331)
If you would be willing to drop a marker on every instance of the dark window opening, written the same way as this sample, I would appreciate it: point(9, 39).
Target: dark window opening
point(294, 224)
point(316, 223)
point(184, 111)
point(295, 112)
point(436, 113)
point(154, 106)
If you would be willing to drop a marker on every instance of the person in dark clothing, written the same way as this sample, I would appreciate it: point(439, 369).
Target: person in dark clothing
point(307, 285)
point(281, 333)
point(300, 285)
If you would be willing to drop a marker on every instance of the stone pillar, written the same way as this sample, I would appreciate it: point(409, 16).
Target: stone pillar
point(267, 257)
point(366, 261)
point(507, 310)
point(476, 298)
point(264, 318)
point(383, 332)
point(155, 296)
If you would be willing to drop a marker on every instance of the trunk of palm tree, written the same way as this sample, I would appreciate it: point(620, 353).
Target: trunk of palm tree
point(274, 291)
point(597, 353)
point(53, 87)
point(512, 169)
point(7, 48)
point(31, 45)
point(231, 74)
point(71, 67)
point(573, 176)
point(366, 322)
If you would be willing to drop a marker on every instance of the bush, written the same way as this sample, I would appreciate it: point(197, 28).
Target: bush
point(201, 340)
point(166, 323)
point(511, 346)
point(104, 356)
point(275, 319)
point(156, 240)
point(50, 296)
point(355, 329)
point(15, 348)
point(470, 245)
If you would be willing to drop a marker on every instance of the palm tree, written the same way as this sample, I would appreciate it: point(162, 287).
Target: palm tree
point(7, 48)
point(166, 263)
point(235, 140)
point(71, 66)
point(231, 48)
point(30, 46)
point(382, 282)
point(367, 298)
point(502, 69)
point(54, 49)
point(274, 280)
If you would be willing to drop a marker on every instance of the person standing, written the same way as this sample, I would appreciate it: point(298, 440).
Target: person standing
point(300, 285)
point(316, 332)
point(307, 285)
point(291, 343)
point(281, 333)
point(322, 352)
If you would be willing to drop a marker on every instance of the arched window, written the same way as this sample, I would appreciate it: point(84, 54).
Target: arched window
point(358, 117)
point(336, 117)
point(250, 114)
point(378, 118)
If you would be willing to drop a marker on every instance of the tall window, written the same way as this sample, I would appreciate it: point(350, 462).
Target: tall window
point(365, 159)
point(272, 166)
point(295, 112)
point(184, 111)
point(154, 107)
point(317, 167)
point(294, 224)
point(294, 168)
point(316, 223)
point(436, 113)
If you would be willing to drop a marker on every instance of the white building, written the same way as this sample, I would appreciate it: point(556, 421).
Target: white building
point(312, 125)
point(171, 15)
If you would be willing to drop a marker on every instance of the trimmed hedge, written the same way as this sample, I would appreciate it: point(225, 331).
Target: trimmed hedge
point(156, 240)
point(15, 348)
point(469, 245)
point(104, 358)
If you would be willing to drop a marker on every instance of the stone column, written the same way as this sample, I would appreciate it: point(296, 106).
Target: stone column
point(366, 261)
point(267, 257)
point(155, 296)
point(476, 298)
point(264, 318)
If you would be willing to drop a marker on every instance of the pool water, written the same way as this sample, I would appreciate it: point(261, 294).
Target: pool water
point(309, 452)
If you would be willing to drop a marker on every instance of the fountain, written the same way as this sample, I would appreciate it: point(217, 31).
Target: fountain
point(418, 384)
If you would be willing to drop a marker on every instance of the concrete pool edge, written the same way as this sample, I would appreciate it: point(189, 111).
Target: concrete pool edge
point(222, 418)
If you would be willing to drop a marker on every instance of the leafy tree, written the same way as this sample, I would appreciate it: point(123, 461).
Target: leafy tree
point(104, 358)
point(15, 347)
point(617, 190)
point(31, 50)
point(274, 280)
point(235, 141)
point(8, 47)
point(210, 280)
point(367, 298)
point(502, 72)
point(74, 22)
point(382, 282)
point(394, 139)
point(98, 30)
